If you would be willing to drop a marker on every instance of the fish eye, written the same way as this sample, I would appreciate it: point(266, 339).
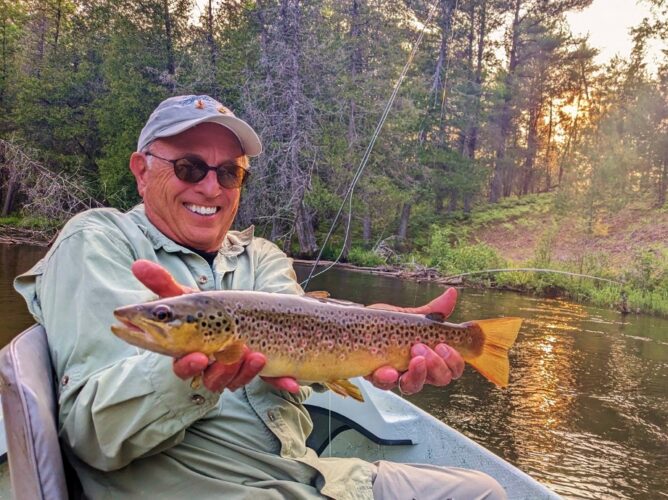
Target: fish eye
point(163, 313)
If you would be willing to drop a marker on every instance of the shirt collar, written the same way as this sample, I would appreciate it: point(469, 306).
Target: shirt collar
point(235, 242)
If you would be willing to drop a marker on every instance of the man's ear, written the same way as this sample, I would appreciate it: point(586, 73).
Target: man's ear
point(139, 168)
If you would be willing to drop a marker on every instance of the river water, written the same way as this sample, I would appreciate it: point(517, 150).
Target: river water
point(586, 411)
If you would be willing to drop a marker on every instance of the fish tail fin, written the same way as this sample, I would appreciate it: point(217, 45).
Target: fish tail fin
point(344, 388)
point(500, 335)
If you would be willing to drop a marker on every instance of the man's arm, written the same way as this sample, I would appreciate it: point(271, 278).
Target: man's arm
point(115, 403)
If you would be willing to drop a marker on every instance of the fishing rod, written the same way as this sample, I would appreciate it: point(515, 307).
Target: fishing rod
point(365, 159)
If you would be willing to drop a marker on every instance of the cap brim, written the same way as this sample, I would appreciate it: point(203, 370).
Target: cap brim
point(249, 140)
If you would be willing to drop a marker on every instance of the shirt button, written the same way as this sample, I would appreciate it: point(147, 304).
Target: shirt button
point(65, 380)
point(270, 415)
point(203, 279)
point(197, 399)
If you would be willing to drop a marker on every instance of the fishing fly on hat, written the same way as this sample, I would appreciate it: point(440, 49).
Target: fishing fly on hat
point(177, 114)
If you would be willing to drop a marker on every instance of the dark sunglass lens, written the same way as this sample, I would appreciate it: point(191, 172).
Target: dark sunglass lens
point(190, 170)
point(231, 177)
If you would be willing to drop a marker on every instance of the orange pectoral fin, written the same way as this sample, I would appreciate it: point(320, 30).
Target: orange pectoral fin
point(231, 354)
point(344, 388)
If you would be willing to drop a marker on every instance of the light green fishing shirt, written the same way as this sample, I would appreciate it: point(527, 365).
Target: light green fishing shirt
point(130, 426)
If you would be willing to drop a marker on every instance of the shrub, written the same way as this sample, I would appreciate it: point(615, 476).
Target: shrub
point(366, 258)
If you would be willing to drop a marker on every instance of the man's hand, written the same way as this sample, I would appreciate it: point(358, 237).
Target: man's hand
point(216, 376)
point(436, 366)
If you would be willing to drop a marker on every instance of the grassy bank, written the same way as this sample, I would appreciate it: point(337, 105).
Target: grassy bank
point(628, 246)
point(27, 230)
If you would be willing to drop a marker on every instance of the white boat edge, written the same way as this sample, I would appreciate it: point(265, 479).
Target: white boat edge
point(387, 427)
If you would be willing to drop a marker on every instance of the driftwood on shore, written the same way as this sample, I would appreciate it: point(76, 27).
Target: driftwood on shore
point(418, 274)
point(10, 235)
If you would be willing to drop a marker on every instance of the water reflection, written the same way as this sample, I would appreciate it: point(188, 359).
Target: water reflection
point(14, 260)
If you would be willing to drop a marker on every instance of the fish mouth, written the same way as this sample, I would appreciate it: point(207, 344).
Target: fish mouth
point(129, 325)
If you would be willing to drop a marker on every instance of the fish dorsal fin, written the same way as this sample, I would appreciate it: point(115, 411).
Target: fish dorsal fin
point(344, 388)
point(436, 316)
point(317, 294)
point(231, 354)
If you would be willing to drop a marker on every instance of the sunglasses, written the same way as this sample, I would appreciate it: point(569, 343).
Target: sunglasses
point(192, 170)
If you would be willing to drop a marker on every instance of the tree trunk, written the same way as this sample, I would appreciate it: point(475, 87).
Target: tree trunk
point(475, 116)
point(59, 14)
point(497, 188)
point(366, 227)
point(548, 153)
point(8, 205)
point(210, 41)
point(663, 185)
point(305, 234)
point(171, 63)
point(454, 197)
point(532, 148)
point(402, 232)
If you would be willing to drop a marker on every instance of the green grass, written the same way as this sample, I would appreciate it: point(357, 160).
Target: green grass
point(39, 223)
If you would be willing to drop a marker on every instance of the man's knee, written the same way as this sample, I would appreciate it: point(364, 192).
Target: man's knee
point(485, 486)
point(395, 480)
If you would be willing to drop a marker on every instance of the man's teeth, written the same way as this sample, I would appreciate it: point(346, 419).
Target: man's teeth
point(199, 209)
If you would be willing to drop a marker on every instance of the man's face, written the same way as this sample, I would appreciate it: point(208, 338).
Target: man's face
point(196, 215)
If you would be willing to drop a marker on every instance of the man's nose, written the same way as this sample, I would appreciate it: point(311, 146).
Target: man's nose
point(209, 185)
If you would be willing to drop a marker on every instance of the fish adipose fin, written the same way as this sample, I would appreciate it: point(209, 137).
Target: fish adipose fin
point(344, 388)
point(436, 316)
point(317, 294)
point(231, 354)
point(500, 335)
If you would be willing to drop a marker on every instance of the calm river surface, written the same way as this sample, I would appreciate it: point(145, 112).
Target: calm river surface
point(586, 411)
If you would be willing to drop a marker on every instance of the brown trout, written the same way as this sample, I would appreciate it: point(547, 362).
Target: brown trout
point(310, 339)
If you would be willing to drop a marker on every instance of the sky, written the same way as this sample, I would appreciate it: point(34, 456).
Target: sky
point(608, 23)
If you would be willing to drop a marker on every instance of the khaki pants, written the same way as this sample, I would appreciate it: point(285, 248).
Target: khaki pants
point(429, 482)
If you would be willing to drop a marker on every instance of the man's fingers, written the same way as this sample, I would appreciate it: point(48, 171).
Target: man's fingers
point(190, 365)
point(452, 358)
point(443, 304)
point(251, 366)
point(413, 380)
point(283, 383)
point(438, 372)
point(157, 279)
point(218, 376)
point(384, 377)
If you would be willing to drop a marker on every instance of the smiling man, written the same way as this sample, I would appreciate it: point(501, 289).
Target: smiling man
point(129, 420)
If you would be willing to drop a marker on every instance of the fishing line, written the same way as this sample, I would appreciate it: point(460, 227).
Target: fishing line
point(532, 270)
point(365, 158)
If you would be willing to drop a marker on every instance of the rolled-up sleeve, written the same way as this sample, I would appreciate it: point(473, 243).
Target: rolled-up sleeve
point(273, 270)
point(116, 402)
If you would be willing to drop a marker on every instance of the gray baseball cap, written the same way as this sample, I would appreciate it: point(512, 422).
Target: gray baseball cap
point(177, 114)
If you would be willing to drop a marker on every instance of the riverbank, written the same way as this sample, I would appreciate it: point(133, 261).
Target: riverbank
point(617, 260)
point(15, 230)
